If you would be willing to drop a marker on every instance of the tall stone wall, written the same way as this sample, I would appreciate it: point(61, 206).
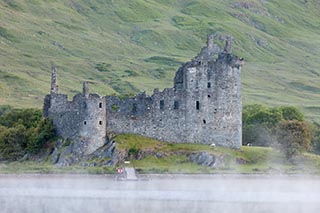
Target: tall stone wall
point(159, 116)
point(204, 106)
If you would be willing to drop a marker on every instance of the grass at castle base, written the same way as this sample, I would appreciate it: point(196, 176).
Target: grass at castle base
point(259, 160)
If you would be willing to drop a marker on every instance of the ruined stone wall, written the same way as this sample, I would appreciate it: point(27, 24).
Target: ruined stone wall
point(159, 116)
point(204, 106)
point(82, 119)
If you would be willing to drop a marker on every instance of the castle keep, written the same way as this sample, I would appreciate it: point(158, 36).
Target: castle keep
point(204, 106)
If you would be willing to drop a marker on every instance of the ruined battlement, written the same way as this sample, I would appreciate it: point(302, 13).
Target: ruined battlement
point(204, 106)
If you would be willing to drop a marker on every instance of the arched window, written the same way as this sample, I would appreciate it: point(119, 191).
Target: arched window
point(100, 105)
point(84, 122)
point(100, 122)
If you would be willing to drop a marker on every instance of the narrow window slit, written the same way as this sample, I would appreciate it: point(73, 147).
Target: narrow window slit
point(134, 108)
point(197, 105)
point(176, 105)
point(161, 104)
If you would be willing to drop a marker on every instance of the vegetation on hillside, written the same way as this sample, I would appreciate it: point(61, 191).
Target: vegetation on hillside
point(23, 131)
point(281, 127)
point(128, 46)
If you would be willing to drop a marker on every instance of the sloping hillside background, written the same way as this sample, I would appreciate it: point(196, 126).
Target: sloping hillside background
point(126, 46)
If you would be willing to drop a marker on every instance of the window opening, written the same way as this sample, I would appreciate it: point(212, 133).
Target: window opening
point(100, 122)
point(209, 85)
point(197, 105)
point(100, 105)
point(85, 122)
point(134, 108)
point(209, 96)
point(161, 104)
point(204, 121)
point(176, 105)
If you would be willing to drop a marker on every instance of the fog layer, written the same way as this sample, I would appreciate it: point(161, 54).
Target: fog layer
point(181, 194)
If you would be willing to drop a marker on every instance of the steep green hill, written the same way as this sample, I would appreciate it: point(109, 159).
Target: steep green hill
point(135, 45)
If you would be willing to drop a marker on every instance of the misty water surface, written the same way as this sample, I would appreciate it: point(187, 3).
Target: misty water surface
point(36, 193)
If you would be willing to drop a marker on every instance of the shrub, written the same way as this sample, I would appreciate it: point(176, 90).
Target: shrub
point(315, 141)
point(13, 142)
point(259, 122)
point(293, 137)
point(133, 152)
point(40, 135)
point(23, 131)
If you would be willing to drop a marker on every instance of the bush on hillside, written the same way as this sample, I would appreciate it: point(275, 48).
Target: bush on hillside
point(293, 137)
point(315, 141)
point(23, 131)
point(283, 127)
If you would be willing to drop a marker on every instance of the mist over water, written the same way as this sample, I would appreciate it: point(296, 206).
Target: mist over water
point(52, 193)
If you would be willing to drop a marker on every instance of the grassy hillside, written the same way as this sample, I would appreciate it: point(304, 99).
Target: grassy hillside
point(128, 46)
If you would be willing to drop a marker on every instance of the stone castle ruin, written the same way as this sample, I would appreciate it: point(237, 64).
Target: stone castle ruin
point(204, 106)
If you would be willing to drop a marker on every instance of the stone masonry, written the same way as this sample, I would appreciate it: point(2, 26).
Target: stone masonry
point(204, 106)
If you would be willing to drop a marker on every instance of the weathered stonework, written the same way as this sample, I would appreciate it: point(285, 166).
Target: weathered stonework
point(204, 106)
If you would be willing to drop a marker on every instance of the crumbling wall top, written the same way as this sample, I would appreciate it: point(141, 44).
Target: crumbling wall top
point(54, 85)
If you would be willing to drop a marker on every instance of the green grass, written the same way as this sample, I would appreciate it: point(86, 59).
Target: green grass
point(174, 160)
point(259, 160)
point(145, 41)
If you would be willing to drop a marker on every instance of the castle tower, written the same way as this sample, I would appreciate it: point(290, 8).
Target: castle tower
point(92, 127)
point(212, 95)
point(54, 85)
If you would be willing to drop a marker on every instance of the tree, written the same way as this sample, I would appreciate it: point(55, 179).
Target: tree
point(259, 123)
point(293, 137)
point(13, 142)
point(23, 131)
point(290, 113)
point(40, 135)
point(315, 141)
